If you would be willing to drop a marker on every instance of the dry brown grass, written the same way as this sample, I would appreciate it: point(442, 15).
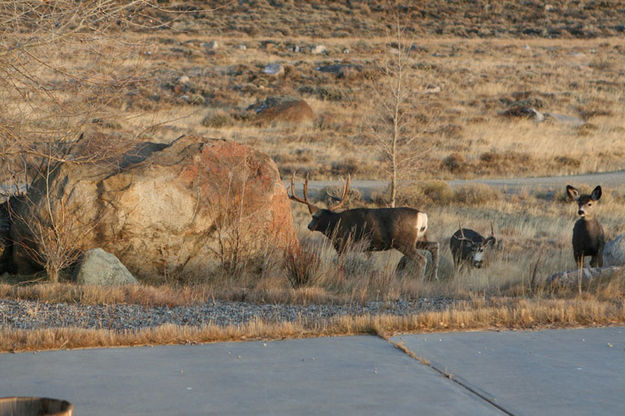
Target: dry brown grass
point(499, 313)
point(130, 84)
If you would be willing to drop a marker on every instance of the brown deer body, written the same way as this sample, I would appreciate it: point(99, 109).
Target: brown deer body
point(588, 235)
point(403, 229)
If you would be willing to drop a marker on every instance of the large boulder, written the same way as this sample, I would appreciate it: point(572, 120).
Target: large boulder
point(285, 110)
point(97, 267)
point(167, 210)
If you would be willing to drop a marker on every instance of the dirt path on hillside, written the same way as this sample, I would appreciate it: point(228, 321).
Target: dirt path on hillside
point(548, 183)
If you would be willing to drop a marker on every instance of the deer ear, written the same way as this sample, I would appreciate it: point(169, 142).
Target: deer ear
point(596, 193)
point(572, 192)
point(490, 241)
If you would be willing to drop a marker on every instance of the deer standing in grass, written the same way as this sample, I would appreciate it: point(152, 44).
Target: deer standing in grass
point(403, 229)
point(468, 247)
point(588, 236)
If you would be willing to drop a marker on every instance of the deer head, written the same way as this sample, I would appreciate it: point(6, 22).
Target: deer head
point(585, 202)
point(321, 218)
point(473, 247)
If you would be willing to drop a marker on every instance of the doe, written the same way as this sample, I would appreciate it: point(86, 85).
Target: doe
point(588, 236)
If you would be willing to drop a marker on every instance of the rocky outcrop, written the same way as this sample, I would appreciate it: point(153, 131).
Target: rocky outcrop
point(97, 267)
point(170, 210)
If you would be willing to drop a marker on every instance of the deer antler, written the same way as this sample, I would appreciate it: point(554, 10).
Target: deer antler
point(492, 231)
point(462, 237)
point(343, 198)
point(311, 207)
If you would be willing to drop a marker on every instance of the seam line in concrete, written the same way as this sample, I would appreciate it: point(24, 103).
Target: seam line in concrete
point(408, 352)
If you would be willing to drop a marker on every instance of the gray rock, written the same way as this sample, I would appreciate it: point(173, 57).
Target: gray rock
point(211, 46)
point(588, 275)
point(98, 267)
point(614, 252)
point(564, 119)
point(318, 49)
point(523, 112)
point(274, 69)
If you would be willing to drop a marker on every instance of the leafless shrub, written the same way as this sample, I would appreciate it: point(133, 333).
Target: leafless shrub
point(393, 123)
point(49, 104)
point(302, 266)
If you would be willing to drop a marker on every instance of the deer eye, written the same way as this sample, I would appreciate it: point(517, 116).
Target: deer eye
point(590, 203)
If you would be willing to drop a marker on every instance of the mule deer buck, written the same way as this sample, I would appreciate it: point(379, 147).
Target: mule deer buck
point(403, 229)
point(468, 247)
point(588, 236)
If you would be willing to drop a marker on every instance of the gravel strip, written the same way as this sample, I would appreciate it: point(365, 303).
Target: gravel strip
point(25, 314)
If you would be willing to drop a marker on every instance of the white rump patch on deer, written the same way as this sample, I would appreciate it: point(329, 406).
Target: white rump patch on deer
point(422, 224)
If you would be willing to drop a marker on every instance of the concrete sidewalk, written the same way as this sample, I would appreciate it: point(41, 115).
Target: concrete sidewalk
point(551, 372)
point(561, 372)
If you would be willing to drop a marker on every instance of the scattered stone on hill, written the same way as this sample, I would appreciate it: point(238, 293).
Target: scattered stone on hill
point(211, 47)
point(98, 267)
point(171, 213)
point(295, 49)
point(283, 110)
point(346, 51)
point(242, 47)
point(588, 275)
point(523, 112)
point(274, 69)
point(432, 89)
point(318, 49)
point(614, 251)
point(183, 80)
point(564, 119)
point(341, 70)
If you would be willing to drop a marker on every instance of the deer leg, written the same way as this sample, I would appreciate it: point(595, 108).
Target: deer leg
point(415, 256)
point(432, 247)
point(597, 259)
point(600, 255)
point(579, 259)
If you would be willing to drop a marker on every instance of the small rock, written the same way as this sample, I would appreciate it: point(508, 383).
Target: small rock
point(295, 49)
point(274, 69)
point(242, 47)
point(523, 112)
point(211, 46)
point(432, 89)
point(98, 267)
point(183, 80)
point(564, 119)
point(318, 49)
